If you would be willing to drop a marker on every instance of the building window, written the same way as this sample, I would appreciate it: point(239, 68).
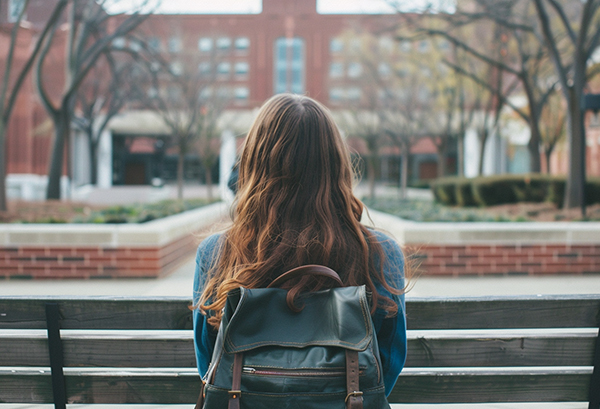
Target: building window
point(204, 68)
point(336, 94)
point(336, 70)
point(154, 43)
point(386, 44)
point(289, 65)
point(241, 93)
point(205, 44)
point(242, 68)
point(119, 42)
point(224, 68)
point(336, 45)
point(175, 44)
point(176, 68)
point(205, 93)
point(242, 43)
point(384, 70)
point(354, 70)
point(405, 46)
point(14, 9)
point(223, 43)
point(423, 46)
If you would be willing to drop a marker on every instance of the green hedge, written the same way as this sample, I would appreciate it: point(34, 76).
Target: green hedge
point(495, 190)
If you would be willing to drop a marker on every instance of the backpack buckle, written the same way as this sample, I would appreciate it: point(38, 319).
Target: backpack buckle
point(235, 394)
point(354, 394)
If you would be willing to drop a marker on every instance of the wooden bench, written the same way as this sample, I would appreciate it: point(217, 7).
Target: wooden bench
point(140, 350)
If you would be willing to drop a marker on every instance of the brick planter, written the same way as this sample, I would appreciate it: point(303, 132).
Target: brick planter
point(150, 249)
point(456, 249)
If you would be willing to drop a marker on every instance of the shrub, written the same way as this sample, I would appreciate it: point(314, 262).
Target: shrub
point(444, 190)
point(463, 192)
point(502, 189)
point(493, 190)
point(592, 190)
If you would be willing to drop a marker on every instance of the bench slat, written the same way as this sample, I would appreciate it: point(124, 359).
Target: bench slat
point(509, 312)
point(178, 388)
point(175, 349)
point(427, 313)
point(98, 312)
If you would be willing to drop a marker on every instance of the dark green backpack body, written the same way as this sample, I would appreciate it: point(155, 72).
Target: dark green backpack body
point(268, 356)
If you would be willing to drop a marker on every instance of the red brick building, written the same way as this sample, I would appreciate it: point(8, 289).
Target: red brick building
point(289, 46)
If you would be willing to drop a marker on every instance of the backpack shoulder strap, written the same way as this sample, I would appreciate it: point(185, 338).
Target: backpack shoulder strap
point(310, 269)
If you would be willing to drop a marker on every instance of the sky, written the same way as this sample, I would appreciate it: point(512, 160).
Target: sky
point(255, 6)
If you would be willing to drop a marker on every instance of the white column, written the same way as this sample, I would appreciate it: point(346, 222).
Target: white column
point(104, 152)
point(226, 162)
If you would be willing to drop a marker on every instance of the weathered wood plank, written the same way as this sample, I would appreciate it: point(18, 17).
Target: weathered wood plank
point(578, 311)
point(430, 313)
point(566, 385)
point(425, 348)
point(491, 349)
point(455, 386)
point(98, 312)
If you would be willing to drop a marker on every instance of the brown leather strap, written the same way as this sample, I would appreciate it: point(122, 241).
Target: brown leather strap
point(354, 399)
point(200, 401)
point(236, 382)
point(310, 269)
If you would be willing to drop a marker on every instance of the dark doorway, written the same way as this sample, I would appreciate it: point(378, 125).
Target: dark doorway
point(135, 173)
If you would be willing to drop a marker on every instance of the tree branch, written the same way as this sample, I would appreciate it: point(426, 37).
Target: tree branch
point(50, 25)
point(564, 19)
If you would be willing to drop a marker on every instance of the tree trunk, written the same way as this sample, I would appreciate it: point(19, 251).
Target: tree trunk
point(55, 169)
point(533, 146)
point(404, 173)
point(209, 181)
point(93, 164)
point(180, 163)
point(3, 128)
point(548, 154)
point(482, 141)
point(442, 154)
point(574, 192)
point(460, 154)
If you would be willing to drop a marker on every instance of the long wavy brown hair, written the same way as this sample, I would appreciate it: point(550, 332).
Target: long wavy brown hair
point(295, 206)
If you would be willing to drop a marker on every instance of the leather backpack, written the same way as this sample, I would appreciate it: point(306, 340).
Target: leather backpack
point(323, 355)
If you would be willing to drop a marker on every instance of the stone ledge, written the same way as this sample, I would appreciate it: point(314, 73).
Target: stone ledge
point(459, 249)
point(409, 232)
point(152, 234)
point(49, 251)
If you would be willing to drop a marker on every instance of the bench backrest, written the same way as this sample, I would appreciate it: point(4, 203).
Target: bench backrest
point(460, 349)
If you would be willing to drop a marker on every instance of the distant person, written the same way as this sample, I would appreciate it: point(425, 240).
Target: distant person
point(233, 178)
point(295, 206)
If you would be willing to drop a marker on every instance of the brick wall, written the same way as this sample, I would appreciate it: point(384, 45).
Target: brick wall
point(145, 250)
point(457, 260)
point(95, 262)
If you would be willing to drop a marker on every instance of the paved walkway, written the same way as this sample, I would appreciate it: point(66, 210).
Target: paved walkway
point(180, 283)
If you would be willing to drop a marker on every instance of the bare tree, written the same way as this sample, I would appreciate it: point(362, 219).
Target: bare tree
point(190, 102)
point(572, 26)
point(110, 86)
point(509, 49)
point(10, 87)
point(92, 30)
point(552, 128)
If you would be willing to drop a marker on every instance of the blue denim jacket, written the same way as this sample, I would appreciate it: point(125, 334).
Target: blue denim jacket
point(391, 332)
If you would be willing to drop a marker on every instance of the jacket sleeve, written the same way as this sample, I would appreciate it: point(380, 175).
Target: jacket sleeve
point(204, 334)
point(391, 331)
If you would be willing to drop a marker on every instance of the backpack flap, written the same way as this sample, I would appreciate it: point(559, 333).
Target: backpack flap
point(334, 317)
